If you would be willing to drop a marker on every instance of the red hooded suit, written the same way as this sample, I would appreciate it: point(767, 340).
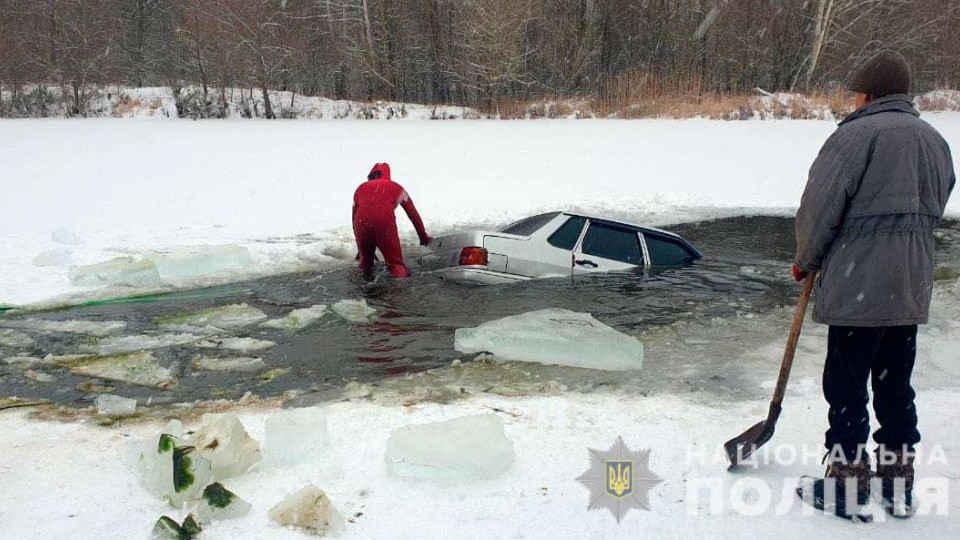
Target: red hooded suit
point(375, 224)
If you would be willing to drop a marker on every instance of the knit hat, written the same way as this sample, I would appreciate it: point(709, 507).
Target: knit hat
point(884, 74)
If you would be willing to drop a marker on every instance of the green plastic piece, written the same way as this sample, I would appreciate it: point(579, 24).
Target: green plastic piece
point(182, 477)
point(218, 496)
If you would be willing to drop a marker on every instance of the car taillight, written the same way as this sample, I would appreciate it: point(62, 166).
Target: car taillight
point(473, 256)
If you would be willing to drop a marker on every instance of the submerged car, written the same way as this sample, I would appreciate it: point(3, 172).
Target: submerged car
point(556, 244)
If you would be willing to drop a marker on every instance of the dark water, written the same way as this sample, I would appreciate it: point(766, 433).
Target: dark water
point(745, 269)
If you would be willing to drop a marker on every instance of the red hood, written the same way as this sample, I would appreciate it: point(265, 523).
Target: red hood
point(380, 171)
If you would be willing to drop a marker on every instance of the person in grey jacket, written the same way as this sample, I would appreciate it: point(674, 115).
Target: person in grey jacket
point(875, 194)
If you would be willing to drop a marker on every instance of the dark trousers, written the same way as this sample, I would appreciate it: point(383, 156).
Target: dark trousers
point(885, 356)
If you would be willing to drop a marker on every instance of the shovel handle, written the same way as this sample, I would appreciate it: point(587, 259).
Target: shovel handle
point(798, 315)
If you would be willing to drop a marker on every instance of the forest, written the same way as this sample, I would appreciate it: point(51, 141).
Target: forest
point(474, 53)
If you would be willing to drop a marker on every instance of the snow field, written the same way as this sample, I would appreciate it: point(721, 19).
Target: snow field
point(80, 192)
point(71, 480)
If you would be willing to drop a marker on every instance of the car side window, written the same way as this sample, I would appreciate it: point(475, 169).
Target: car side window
point(530, 225)
point(567, 235)
point(667, 252)
point(612, 243)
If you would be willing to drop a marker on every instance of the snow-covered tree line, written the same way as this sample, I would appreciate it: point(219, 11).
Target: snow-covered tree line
point(478, 53)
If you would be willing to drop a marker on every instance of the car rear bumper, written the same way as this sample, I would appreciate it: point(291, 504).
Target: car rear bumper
point(477, 275)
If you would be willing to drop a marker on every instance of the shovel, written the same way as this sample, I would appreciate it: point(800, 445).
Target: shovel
point(743, 446)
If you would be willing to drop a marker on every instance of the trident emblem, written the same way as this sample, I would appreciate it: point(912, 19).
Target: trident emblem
point(619, 478)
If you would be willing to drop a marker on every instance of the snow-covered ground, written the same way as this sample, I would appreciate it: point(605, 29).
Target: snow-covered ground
point(79, 192)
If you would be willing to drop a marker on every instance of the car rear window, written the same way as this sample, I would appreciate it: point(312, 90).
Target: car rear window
point(526, 227)
point(567, 235)
point(667, 251)
point(612, 243)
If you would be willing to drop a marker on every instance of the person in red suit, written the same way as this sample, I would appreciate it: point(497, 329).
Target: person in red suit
point(375, 224)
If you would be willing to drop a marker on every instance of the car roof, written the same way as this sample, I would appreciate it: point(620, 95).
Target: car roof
point(625, 223)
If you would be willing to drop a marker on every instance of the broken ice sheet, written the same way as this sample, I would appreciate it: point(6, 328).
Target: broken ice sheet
point(113, 405)
point(141, 369)
point(554, 336)
point(223, 441)
point(39, 376)
point(295, 435)
point(297, 319)
point(196, 261)
point(123, 271)
point(171, 470)
point(167, 528)
point(23, 360)
point(89, 328)
point(309, 510)
point(355, 311)
point(241, 344)
point(12, 338)
point(219, 503)
point(208, 330)
point(126, 344)
point(268, 376)
point(241, 364)
point(466, 448)
point(232, 317)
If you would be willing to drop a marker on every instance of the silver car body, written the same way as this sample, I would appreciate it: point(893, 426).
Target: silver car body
point(557, 244)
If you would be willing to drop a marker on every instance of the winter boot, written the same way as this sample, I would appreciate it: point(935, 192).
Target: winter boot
point(843, 491)
point(895, 471)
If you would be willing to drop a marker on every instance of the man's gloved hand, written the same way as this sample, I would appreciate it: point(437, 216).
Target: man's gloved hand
point(426, 240)
point(798, 273)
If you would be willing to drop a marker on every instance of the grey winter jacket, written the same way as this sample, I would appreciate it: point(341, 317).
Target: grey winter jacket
point(875, 194)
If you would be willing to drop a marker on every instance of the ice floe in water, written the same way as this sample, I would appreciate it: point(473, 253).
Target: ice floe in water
point(113, 405)
point(309, 510)
point(39, 376)
point(141, 369)
point(467, 448)
point(12, 338)
point(241, 364)
point(208, 330)
point(242, 344)
point(90, 328)
point(223, 441)
point(182, 263)
point(355, 311)
point(25, 360)
point(554, 336)
point(295, 435)
point(232, 317)
point(153, 269)
point(125, 344)
point(123, 271)
point(298, 318)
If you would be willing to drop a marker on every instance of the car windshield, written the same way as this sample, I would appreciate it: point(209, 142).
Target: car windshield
point(530, 225)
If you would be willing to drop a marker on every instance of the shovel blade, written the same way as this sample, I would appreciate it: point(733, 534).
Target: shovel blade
point(743, 446)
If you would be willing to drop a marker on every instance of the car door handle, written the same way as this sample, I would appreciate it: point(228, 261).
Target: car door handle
point(586, 262)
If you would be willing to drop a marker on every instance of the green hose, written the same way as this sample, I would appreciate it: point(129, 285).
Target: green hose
point(198, 294)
